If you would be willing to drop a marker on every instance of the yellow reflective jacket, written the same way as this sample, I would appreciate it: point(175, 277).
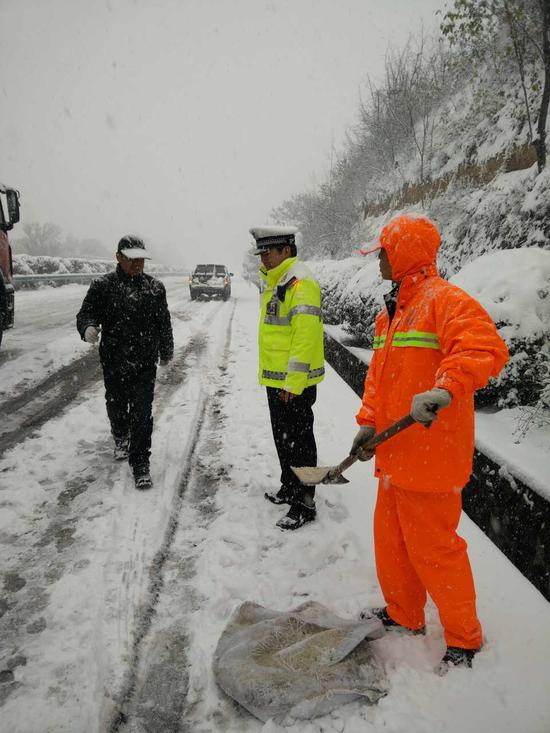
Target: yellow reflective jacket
point(290, 335)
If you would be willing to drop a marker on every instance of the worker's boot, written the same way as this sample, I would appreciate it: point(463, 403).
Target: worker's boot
point(389, 623)
point(455, 656)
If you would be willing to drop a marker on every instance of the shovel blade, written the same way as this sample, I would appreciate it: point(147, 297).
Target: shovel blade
point(312, 475)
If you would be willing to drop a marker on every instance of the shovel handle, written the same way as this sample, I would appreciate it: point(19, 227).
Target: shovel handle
point(386, 434)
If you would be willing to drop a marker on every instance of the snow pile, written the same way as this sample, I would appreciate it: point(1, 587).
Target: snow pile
point(512, 285)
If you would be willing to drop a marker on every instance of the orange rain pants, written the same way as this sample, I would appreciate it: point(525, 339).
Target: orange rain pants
point(418, 550)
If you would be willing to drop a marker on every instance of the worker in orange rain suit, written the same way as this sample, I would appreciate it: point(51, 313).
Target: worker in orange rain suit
point(434, 346)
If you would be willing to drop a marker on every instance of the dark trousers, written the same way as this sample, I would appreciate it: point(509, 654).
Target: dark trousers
point(129, 400)
point(292, 424)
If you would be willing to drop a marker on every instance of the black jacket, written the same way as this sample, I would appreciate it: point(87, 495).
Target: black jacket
point(134, 319)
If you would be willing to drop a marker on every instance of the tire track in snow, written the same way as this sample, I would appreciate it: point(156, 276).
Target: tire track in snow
point(47, 399)
point(161, 701)
point(45, 553)
point(135, 697)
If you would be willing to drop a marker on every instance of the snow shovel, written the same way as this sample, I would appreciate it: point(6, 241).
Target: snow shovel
point(312, 475)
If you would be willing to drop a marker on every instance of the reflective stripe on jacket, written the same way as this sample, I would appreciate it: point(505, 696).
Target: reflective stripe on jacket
point(290, 338)
point(438, 337)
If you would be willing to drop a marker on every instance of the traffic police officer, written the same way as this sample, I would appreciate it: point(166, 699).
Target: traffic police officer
point(291, 363)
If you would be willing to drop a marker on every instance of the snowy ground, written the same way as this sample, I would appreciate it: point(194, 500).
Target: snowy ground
point(43, 339)
point(113, 601)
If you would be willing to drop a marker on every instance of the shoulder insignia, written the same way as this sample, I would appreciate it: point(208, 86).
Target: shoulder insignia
point(281, 289)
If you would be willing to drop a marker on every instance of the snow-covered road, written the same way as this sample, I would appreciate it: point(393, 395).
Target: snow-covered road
point(44, 368)
point(112, 600)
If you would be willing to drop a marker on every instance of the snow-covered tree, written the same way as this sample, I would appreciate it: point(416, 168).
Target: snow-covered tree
point(509, 34)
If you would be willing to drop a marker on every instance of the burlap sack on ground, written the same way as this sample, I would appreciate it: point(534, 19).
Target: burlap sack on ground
point(297, 664)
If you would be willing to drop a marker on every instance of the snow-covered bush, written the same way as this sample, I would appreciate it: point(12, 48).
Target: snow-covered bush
point(332, 276)
point(24, 264)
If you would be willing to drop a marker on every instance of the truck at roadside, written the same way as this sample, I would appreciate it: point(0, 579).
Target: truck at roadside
point(9, 215)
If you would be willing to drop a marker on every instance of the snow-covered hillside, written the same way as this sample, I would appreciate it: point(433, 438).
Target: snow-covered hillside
point(509, 212)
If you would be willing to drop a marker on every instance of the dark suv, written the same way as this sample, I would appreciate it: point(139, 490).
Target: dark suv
point(210, 280)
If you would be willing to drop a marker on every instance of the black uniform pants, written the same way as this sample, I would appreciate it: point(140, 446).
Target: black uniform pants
point(129, 400)
point(292, 424)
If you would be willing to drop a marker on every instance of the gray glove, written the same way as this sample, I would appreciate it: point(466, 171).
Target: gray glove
point(425, 405)
point(364, 434)
point(91, 334)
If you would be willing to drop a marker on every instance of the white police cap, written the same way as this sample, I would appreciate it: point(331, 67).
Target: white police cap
point(272, 236)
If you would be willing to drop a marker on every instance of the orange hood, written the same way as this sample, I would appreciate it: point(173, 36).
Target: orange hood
point(411, 243)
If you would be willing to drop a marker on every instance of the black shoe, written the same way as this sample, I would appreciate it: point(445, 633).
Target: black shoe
point(143, 480)
point(456, 656)
point(297, 516)
point(121, 448)
point(388, 622)
point(283, 496)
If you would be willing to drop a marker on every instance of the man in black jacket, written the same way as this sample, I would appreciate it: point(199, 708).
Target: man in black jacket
point(130, 309)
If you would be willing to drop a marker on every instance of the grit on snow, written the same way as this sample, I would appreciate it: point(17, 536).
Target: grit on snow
point(113, 600)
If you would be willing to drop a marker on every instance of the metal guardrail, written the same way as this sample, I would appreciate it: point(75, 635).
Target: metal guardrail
point(77, 277)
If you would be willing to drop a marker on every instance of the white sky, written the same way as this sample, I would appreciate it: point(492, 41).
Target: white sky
point(184, 121)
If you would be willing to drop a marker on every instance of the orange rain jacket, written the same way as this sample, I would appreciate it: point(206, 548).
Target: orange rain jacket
point(438, 337)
